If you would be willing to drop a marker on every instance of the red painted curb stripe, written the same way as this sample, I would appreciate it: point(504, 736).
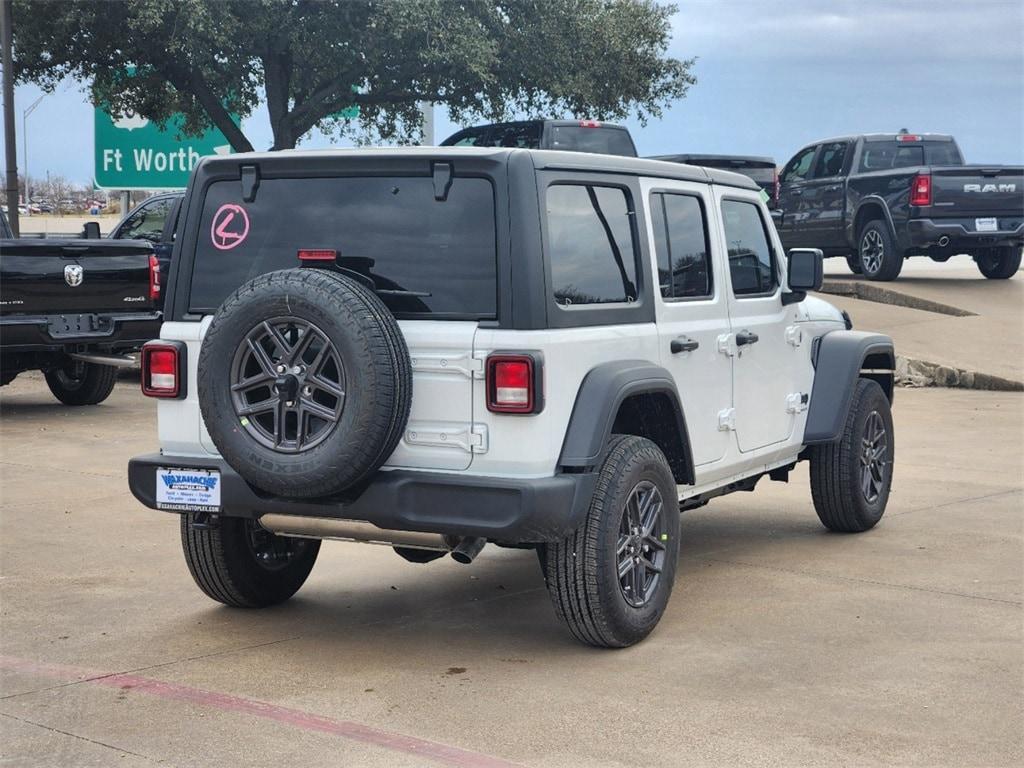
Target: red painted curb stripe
point(297, 718)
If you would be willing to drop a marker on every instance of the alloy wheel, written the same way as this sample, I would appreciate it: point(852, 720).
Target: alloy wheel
point(873, 461)
point(640, 553)
point(288, 384)
point(872, 251)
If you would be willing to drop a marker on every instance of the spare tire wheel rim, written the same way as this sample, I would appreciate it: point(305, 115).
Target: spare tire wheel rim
point(287, 384)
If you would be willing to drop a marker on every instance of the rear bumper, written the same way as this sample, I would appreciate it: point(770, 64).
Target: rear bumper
point(120, 332)
point(960, 236)
point(497, 508)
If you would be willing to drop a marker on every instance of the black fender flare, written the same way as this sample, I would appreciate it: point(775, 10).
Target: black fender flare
point(602, 392)
point(839, 358)
point(872, 201)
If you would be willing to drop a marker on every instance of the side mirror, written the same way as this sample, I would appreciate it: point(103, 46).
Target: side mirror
point(91, 230)
point(806, 272)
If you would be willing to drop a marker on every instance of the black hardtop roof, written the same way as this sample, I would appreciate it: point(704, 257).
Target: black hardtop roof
point(688, 157)
point(543, 159)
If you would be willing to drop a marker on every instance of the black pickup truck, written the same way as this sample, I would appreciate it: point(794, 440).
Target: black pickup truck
point(74, 309)
point(878, 199)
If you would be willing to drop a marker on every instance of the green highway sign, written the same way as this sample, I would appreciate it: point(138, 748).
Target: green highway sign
point(133, 153)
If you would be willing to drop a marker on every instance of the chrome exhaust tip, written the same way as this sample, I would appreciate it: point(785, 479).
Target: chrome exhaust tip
point(943, 241)
point(468, 549)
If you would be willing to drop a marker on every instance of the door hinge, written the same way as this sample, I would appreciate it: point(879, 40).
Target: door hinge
point(439, 362)
point(727, 420)
point(794, 335)
point(796, 402)
point(727, 344)
point(472, 439)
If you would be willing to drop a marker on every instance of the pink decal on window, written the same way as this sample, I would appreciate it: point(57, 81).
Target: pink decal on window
point(230, 227)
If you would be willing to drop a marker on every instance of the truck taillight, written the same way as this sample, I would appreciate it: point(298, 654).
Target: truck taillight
point(590, 123)
point(154, 278)
point(163, 369)
point(921, 190)
point(514, 383)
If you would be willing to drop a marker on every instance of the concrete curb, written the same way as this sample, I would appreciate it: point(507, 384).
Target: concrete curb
point(874, 292)
point(921, 373)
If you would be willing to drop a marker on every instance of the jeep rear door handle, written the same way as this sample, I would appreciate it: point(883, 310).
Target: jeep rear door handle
point(746, 337)
point(683, 344)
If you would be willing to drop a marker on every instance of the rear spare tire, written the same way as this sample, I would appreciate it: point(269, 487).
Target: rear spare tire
point(304, 382)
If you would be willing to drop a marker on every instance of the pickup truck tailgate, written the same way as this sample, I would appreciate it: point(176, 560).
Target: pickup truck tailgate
point(977, 189)
point(70, 276)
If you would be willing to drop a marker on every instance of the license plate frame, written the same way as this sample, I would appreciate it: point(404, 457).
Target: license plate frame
point(184, 489)
point(986, 224)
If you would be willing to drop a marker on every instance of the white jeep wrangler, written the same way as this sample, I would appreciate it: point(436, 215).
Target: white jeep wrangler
point(437, 348)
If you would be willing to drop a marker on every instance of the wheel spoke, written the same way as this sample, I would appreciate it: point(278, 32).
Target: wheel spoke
point(279, 340)
point(262, 358)
point(625, 566)
point(314, 408)
point(327, 386)
point(260, 407)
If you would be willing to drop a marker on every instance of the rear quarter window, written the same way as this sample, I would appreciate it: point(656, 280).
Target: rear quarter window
point(428, 258)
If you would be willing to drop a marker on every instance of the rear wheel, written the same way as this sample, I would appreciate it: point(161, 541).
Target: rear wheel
point(610, 581)
point(877, 252)
point(236, 562)
point(78, 383)
point(998, 263)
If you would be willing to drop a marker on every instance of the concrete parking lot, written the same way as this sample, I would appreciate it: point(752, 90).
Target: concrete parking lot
point(783, 644)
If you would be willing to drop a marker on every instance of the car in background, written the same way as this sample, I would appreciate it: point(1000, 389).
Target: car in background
point(153, 220)
point(761, 169)
point(564, 135)
point(877, 199)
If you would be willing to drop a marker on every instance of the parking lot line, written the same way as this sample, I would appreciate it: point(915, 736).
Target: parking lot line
point(297, 718)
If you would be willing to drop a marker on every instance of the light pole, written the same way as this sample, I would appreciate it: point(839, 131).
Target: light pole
point(24, 142)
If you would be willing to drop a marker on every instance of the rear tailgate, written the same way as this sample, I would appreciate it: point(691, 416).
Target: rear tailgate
point(49, 277)
point(976, 190)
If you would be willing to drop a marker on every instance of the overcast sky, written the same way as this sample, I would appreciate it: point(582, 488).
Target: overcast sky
point(772, 76)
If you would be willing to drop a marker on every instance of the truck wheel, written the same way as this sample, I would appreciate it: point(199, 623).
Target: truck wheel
point(998, 263)
point(306, 372)
point(78, 383)
point(877, 252)
point(853, 262)
point(611, 580)
point(238, 563)
point(851, 477)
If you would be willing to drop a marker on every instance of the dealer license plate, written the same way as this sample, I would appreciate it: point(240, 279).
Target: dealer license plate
point(986, 225)
point(188, 490)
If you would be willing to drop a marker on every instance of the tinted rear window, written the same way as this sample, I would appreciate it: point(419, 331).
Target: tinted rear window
point(439, 256)
point(884, 155)
point(605, 141)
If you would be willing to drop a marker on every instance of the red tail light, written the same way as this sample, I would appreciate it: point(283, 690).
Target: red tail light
point(154, 278)
point(162, 369)
point(590, 123)
point(921, 190)
point(513, 383)
point(907, 137)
